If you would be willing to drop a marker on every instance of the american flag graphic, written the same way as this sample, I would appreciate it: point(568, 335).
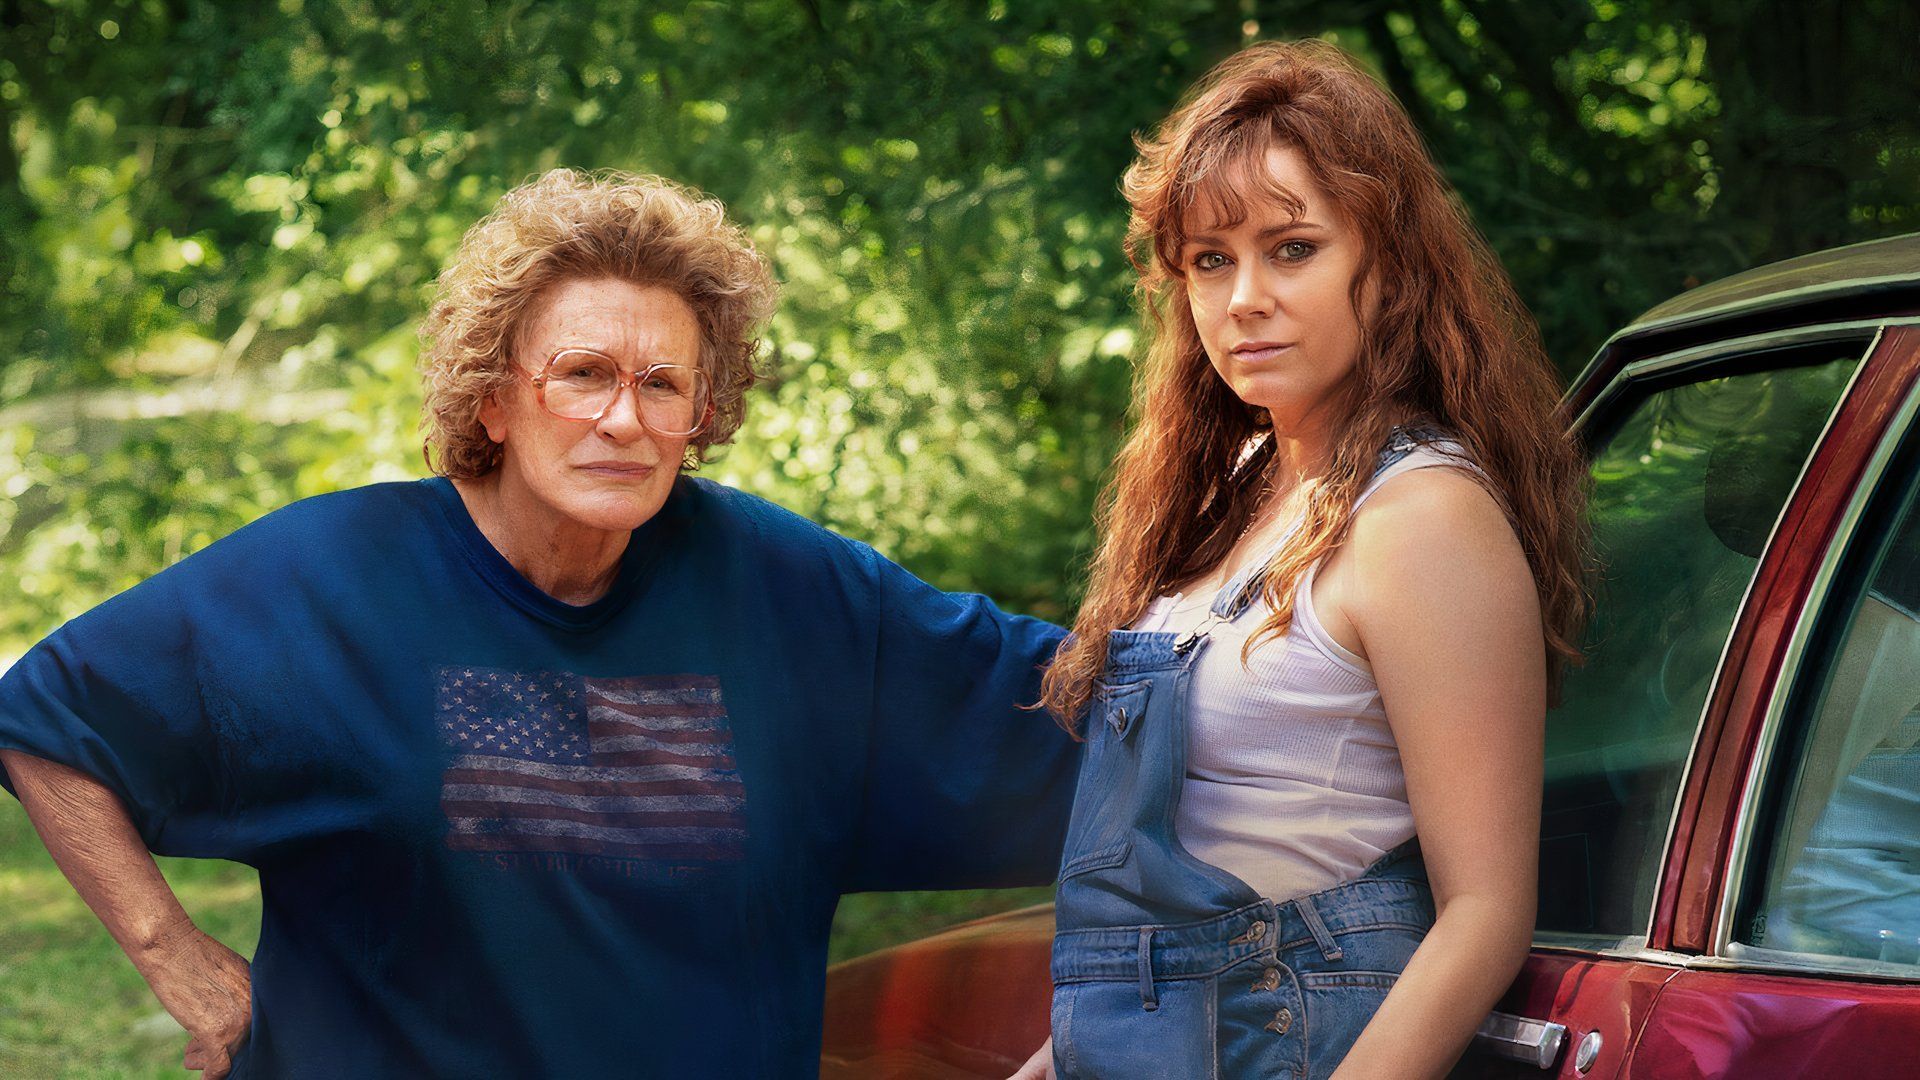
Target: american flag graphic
point(632, 768)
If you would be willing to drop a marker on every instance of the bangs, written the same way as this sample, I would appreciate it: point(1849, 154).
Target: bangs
point(1224, 177)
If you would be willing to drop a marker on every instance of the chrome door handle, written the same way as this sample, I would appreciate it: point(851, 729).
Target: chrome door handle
point(1518, 1038)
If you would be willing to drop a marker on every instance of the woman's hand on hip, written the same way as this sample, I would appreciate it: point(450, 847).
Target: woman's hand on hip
point(208, 989)
point(202, 983)
point(1039, 1066)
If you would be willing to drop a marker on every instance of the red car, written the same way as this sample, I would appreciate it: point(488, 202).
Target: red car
point(1730, 852)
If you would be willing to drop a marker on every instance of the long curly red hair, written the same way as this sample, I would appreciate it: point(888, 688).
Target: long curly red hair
point(1450, 345)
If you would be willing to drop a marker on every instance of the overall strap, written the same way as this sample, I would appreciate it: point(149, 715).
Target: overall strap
point(1237, 596)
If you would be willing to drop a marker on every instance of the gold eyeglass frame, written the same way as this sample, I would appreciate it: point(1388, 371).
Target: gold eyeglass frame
point(621, 383)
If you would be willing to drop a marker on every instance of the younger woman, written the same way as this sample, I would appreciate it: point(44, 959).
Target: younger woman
point(1340, 563)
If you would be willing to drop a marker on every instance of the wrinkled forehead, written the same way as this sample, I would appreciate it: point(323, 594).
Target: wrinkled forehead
point(1235, 179)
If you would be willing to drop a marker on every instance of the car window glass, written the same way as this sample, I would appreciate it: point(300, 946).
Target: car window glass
point(1688, 480)
point(1841, 841)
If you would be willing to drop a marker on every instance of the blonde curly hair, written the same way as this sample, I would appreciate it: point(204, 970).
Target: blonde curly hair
point(569, 226)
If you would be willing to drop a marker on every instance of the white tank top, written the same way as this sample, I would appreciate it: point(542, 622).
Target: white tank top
point(1293, 778)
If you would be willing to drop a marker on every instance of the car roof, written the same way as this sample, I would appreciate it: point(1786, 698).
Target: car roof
point(1876, 265)
point(1875, 279)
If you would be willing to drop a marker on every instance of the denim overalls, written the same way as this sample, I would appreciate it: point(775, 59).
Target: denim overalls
point(1166, 966)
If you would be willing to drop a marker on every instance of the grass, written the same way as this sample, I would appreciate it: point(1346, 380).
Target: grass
point(70, 1003)
point(869, 921)
point(72, 1006)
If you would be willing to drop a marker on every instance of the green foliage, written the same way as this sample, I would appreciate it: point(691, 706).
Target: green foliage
point(218, 225)
point(870, 921)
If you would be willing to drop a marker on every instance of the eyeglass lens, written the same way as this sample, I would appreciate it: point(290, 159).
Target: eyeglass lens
point(582, 386)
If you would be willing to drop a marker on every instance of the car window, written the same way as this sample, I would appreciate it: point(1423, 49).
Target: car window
point(1841, 835)
point(1688, 480)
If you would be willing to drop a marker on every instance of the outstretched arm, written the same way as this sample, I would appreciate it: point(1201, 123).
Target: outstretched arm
point(965, 787)
point(202, 983)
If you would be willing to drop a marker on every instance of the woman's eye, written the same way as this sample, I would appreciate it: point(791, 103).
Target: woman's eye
point(1296, 250)
point(1209, 260)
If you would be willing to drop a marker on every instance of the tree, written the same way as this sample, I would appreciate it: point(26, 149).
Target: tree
point(218, 225)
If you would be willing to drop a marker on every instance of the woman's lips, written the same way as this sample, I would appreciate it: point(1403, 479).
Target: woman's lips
point(621, 470)
point(1255, 352)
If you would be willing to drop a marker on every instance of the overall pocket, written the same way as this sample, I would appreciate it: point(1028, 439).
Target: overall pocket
point(1339, 1006)
point(1103, 859)
point(1108, 795)
point(1341, 996)
point(1103, 1030)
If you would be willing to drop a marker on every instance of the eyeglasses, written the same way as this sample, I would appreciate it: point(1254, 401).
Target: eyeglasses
point(577, 384)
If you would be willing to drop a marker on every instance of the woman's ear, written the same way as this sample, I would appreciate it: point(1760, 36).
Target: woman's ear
point(493, 416)
point(1376, 293)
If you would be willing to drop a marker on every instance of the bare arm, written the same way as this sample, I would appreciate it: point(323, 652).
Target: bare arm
point(1445, 605)
point(202, 983)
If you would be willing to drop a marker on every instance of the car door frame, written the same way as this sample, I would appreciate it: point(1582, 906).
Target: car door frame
point(1745, 1008)
point(1593, 985)
point(1714, 820)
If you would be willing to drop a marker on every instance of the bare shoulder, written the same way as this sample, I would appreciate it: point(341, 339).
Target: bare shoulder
point(1418, 508)
point(1435, 534)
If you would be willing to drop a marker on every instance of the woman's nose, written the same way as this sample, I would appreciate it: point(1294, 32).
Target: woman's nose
point(1252, 294)
point(621, 422)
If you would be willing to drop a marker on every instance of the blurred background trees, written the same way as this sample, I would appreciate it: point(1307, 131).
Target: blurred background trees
point(219, 224)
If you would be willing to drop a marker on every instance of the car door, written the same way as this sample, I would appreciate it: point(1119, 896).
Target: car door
point(1694, 455)
point(1810, 871)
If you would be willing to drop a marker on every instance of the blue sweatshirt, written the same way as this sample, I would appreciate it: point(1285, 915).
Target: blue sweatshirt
point(500, 835)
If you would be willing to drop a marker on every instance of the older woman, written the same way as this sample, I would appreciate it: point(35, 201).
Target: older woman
point(554, 764)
